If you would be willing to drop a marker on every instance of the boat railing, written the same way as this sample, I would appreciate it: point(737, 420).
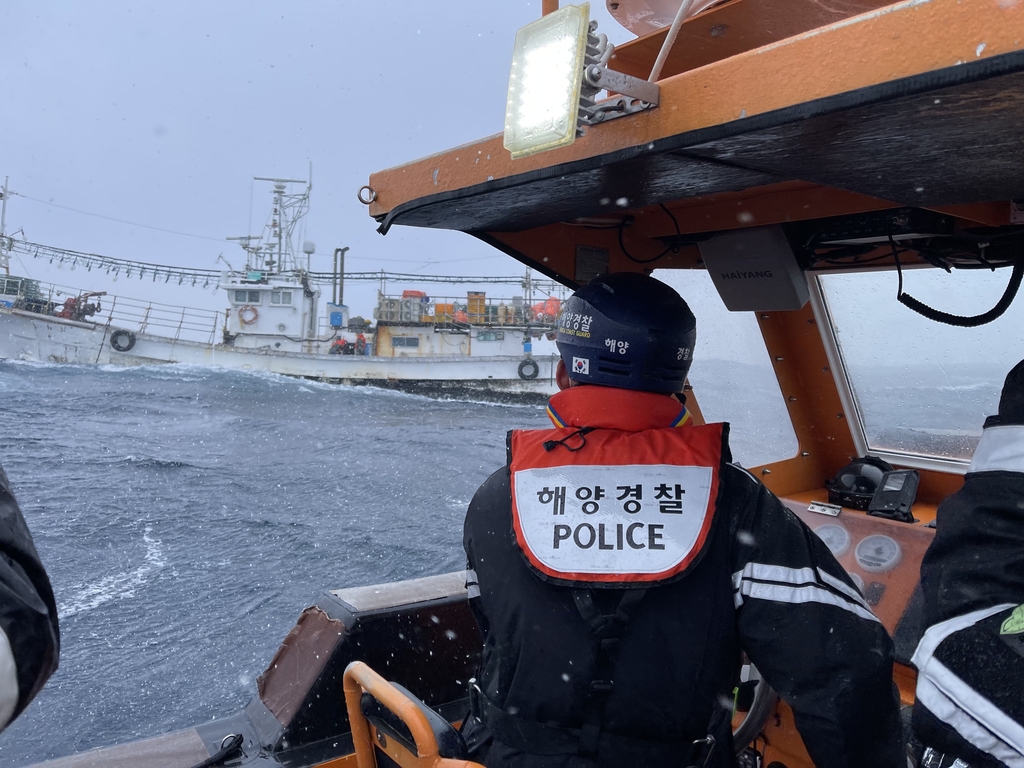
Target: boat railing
point(166, 320)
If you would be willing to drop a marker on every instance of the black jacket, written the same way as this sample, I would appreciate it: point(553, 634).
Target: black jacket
point(971, 673)
point(28, 613)
point(766, 585)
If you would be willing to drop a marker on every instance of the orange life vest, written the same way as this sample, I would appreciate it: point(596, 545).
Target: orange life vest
point(602, 503)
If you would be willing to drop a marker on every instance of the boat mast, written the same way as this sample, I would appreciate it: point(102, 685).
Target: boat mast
point(273, 251)
point(5, 252)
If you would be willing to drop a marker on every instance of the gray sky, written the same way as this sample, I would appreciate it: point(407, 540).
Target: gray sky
point(161, 113)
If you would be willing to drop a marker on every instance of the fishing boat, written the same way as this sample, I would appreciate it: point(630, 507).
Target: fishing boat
point(275, 322)
point(810, 160)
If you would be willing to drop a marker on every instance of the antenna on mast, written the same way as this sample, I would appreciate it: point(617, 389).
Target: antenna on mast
point(5, 242)
point(274, 251)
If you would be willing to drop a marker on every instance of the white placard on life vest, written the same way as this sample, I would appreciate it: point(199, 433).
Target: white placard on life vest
point(630, 522)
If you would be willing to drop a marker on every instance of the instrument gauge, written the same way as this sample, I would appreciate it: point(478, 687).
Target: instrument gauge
point(835, 536)
point(878, 553)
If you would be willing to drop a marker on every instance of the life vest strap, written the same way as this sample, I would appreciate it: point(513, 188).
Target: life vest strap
point(541, 739)
point(608, 629)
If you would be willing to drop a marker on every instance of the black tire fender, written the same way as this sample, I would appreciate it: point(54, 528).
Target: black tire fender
point(528, 369)
point(122, 340)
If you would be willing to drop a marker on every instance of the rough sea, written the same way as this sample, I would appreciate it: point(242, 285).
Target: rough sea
point(186, 516)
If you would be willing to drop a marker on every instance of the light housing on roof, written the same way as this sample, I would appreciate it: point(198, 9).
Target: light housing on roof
point(544, 86)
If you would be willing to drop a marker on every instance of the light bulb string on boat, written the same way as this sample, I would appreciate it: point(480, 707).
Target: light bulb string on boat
point(204, 278)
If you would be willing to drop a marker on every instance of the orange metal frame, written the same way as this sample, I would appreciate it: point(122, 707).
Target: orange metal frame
point(358, 678)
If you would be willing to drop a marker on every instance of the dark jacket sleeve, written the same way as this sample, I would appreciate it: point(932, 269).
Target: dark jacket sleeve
point(971, 669)
point(30, 645)
point(493, 494)
point(812, 635)
point(977, 557)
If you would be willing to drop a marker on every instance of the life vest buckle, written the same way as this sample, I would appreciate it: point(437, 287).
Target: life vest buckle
point(602, 686)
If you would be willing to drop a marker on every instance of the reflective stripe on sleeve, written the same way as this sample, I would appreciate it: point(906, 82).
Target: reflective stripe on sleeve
point(970, 714)
point(8, 680)
point(780, 584)
point(472, 585)
point(958, 705)
point(1000, 448)
point(850, 592)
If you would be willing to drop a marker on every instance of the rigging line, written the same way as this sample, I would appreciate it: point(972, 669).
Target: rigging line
point(119, 221)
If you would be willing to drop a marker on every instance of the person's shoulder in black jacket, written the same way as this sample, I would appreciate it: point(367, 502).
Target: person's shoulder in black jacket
point(29, 635)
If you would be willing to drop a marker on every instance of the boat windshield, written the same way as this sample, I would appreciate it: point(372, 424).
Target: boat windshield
point(732, 373)
point(922, 388)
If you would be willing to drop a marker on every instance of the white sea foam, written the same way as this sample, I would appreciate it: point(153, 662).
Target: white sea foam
point(35, 363)
point(86, 597)
point(197, 372)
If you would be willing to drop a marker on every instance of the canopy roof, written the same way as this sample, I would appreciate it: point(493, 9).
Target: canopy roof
point(913, 104)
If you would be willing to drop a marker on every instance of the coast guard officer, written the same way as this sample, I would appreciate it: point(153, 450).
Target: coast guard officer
point(29, 639)
point(619, 563)
point(969, 711)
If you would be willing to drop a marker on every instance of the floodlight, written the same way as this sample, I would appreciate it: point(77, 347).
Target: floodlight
point(559, 65)
point(544, 87)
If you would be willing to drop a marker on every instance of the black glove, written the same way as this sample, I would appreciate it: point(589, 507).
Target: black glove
point(1011, 403)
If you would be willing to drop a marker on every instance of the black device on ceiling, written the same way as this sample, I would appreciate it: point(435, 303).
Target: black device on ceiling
point(878, 226)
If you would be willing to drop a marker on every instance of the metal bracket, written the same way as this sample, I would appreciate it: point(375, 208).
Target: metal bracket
point(611, 108)
point(635, 95)
point(618, 82)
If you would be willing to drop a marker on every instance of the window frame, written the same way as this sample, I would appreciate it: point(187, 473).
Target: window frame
point(847, 396)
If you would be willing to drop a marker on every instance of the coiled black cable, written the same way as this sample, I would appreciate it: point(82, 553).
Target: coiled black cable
point(960, 321)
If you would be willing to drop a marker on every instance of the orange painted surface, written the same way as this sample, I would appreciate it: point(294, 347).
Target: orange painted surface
point(732, 28)
point(554, 246)
point(348, 761)
point(901, 40)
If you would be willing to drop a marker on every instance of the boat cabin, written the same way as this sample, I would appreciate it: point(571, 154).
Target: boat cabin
point(270, 309)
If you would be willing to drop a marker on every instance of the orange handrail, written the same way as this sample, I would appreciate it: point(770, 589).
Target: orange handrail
point(360, 677)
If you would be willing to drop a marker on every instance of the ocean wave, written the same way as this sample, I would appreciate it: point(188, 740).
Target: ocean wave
point(192, 372)
point(164, 371)
point(151, 462)
point(14, 362)
point(372, 390)
point(119, 586)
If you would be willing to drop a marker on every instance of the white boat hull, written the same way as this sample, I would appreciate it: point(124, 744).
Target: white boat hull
point(32, 337)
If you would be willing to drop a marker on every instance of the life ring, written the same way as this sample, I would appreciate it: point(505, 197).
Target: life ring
point(528, 369)
point(122, 340)
point(248, 314)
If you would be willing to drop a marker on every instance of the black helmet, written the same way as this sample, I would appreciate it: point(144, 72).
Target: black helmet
point(627, 330)
point(855, 484)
